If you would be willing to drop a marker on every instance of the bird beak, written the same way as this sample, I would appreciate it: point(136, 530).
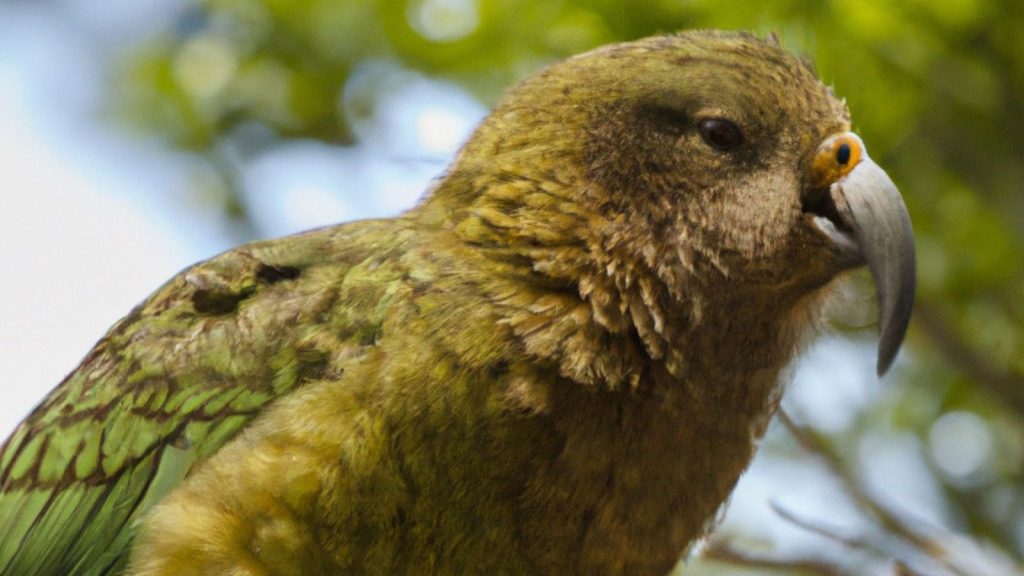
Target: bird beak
point(858, 207)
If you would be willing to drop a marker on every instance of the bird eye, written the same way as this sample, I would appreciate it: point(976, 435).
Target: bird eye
point(720, 134)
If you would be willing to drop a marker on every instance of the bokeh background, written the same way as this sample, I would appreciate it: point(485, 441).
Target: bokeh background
point(138, 137)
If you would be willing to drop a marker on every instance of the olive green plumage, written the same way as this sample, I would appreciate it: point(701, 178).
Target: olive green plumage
point(558, 363)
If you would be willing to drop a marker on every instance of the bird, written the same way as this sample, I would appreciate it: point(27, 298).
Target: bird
point(560, 361)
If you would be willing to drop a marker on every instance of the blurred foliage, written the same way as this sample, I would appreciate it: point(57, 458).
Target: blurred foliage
point(935, 89)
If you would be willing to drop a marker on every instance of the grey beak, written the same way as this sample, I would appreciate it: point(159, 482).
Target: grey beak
point(869, 202)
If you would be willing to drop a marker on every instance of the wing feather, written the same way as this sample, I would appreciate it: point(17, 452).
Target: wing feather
point(166, 388)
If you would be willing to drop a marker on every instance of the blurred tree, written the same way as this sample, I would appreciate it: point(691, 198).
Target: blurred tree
point(936, 86)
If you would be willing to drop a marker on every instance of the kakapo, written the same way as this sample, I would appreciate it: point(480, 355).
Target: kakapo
point(559, 362)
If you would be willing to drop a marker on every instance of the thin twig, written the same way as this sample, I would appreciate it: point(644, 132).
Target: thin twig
point(720, 551)
point(827, 532)
point(901, 569)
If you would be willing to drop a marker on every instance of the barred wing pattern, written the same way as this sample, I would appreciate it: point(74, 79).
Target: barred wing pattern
point(167, 387)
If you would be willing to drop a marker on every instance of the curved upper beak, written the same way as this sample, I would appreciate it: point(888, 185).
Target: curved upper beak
point(864, 215)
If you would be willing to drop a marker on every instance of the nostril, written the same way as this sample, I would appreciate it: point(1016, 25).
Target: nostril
point(843, 154)
point(835, 158)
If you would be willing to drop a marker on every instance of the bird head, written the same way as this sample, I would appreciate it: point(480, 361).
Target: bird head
point(716, 163)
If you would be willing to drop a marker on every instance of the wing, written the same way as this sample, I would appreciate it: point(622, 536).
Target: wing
point(169, 385)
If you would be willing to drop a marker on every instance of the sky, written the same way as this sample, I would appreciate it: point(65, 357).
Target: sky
point(93, 219)
point(75, 252)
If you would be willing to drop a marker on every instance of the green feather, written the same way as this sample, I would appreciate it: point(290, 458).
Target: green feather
point(165, 389)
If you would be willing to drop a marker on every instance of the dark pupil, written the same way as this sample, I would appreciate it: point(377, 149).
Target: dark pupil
point(720, 134)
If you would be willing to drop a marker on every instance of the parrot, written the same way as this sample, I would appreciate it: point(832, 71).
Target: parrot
point(559, 362)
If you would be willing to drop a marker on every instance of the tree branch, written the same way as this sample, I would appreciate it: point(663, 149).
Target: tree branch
point(892, 523)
